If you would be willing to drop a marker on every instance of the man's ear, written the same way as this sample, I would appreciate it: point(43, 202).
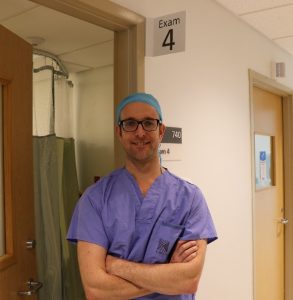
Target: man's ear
point(118, 131)
point(162, 130)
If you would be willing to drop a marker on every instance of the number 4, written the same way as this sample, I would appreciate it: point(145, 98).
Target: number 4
point(168, 41)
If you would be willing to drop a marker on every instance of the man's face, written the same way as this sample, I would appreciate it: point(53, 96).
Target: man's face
point(140, 145)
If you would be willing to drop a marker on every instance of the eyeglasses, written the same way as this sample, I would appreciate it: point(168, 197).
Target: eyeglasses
point(131, 125)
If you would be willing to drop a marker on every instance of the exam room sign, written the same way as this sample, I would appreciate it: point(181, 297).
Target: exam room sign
point(171, 145)
point(166, 34)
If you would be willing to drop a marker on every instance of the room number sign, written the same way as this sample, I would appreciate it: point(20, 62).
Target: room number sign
point(169, 34)
point(171, 144)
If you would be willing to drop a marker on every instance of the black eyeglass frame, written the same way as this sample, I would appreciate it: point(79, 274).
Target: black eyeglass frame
point(120, 124)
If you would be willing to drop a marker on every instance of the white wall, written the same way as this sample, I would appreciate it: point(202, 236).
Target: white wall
point(93, 123)
point(42, 103)
point(205, 91)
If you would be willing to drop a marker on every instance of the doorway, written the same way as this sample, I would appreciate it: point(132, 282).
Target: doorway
point(128, 30)
point(129, 41)
point(129, 44)
point(271, 139)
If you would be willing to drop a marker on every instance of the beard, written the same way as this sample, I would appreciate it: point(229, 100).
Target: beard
point(141, 151)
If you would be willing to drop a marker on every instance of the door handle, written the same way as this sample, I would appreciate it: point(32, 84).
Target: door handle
point(33, 287)
point(284, 221)
point(30, 244)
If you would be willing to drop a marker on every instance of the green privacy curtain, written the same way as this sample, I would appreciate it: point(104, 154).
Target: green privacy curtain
point(56, 190)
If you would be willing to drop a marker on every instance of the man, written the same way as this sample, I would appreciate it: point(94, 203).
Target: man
point(141, 231)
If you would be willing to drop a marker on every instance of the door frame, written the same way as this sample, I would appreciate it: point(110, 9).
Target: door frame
point(129, 44)
point(270, 85)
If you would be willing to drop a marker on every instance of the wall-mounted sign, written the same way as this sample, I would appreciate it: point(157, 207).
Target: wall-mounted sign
point(263, 161)
point(262, 165)
point(166, 34)
point(171, 145)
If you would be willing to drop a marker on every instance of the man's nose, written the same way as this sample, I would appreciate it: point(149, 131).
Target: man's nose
point(140, 131)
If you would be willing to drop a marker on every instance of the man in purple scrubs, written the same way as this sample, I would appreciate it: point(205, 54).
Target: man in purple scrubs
point(141, 231)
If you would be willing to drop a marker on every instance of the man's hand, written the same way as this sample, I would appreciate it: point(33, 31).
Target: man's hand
point(185, 251)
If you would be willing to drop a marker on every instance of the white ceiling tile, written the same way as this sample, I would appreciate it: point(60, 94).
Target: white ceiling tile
point(62, 33)
point(275, 23)
point(95, 56)
point(13, 8)
point(246, 6)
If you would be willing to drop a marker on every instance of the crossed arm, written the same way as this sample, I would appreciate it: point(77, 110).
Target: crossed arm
point(107, 277)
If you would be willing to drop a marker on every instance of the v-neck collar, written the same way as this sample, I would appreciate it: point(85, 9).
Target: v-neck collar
point(151, 189)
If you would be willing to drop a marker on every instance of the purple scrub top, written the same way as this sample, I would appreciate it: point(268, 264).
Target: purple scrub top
point(114, 214)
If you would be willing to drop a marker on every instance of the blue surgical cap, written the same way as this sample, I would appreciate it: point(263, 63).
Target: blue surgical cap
point(139, 97)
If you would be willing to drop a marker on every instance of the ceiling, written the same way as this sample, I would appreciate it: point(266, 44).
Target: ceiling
point(78, 44)
point(273, 18)
point(81, 45)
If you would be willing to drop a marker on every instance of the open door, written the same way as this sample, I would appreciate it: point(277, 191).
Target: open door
point(18, 257)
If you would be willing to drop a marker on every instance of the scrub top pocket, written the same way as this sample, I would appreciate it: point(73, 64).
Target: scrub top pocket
point(162, 242)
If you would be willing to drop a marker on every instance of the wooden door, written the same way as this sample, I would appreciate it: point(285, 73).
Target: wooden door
point(18, 263)
point(269, 220)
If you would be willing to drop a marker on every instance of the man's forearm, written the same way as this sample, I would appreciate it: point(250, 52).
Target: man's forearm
point(98, 284)
point(166, 279)
point(170, 279)
point(113, 288)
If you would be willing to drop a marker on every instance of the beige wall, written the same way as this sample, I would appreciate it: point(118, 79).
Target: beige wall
point(205, 90)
